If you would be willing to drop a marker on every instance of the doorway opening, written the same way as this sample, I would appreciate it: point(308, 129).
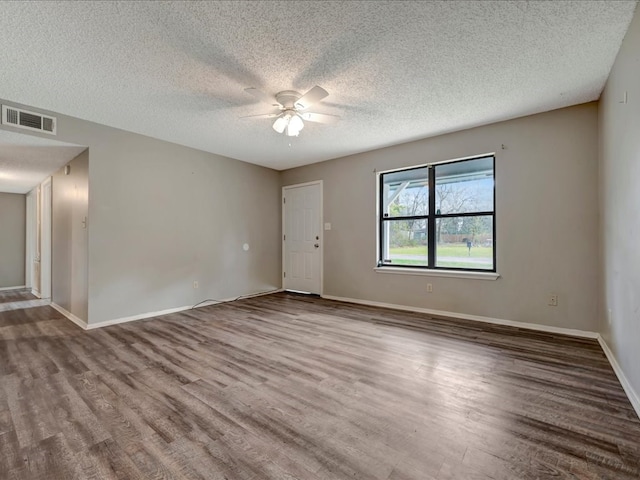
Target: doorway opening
point(302, 239)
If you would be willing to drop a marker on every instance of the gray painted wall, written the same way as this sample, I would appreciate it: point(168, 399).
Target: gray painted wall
point(546, 216)
point(162, 216)
point(70, 241)
point(620, 206)
point(12, 239)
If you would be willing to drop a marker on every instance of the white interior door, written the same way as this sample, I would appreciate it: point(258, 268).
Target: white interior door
point(302, 240)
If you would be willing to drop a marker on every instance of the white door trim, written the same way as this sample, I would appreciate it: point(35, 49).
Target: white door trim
point(30, 249)
point(321, 230)
point(36, 277)
point(45, 238)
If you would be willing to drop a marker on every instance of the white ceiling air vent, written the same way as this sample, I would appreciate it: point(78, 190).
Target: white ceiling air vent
point(38, 122)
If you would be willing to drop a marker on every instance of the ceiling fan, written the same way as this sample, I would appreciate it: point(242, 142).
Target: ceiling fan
point(291, 109)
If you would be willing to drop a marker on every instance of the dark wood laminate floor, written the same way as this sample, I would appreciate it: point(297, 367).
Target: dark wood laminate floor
point(19, 299)
point(291, 387)
point(16, 295)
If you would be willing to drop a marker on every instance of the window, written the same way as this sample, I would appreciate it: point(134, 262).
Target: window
point(439, 216)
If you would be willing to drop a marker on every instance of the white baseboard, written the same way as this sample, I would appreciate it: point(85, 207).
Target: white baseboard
point(77, 320)
point(142, 316)
point(231, 299)
point(133, 318)
point(36, 293)
point(466, 316)
point(260, 294)
point(633, 396)
point(19, 287)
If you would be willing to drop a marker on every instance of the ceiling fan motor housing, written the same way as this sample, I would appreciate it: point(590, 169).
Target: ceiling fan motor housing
point(287, 98)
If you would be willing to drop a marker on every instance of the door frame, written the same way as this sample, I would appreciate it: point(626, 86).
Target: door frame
point(46, 234)
point(39, 219)
point(30, 250)
point(321, 230)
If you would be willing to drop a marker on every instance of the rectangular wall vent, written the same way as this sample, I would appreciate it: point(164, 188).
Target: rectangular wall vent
point(19, 118)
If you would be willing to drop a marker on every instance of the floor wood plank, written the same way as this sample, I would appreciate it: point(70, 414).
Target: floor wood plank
point(16, 295)
point(294, 387)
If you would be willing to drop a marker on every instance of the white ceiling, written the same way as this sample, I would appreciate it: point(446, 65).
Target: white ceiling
point(25, 161)
point(396, 71)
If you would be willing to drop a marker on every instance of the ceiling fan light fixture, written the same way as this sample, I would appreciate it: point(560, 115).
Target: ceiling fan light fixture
point(280, 124)
point(296, 122)
point(292, 132)
point(295, 125)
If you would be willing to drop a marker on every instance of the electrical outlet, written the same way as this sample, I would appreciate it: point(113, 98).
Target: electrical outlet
point(195, 284)
point(429, 287)
point(553, 300)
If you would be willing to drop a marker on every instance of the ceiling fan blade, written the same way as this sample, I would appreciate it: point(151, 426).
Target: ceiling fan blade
point(260, 95)
point(263, 115)
point(320, 117)
point(312, 96)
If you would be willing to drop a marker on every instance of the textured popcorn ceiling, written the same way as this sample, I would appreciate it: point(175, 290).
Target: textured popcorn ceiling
point(26, 161)
point(396, 71)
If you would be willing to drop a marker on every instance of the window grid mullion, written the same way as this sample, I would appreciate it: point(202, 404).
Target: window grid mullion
point(411, 217)
point(431, 222)
point(465, 214)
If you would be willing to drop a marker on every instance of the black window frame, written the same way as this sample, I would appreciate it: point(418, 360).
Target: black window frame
point(432, 218)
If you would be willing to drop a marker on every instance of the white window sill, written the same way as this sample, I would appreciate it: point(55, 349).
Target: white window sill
point(438, 273)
